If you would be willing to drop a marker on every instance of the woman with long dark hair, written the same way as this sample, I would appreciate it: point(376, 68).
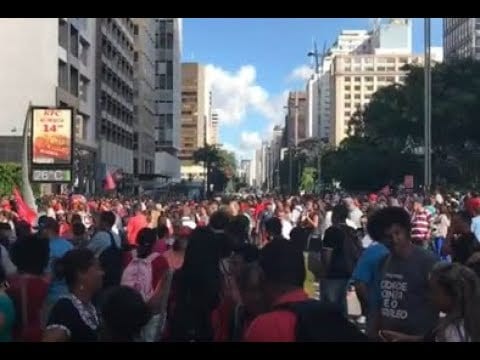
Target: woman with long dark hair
point(196, 291)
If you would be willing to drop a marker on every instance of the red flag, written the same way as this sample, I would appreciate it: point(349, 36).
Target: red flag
point(109, 182)
point(23, 210)
point(385, 190)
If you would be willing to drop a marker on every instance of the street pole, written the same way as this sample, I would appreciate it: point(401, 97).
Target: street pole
point(427, 110)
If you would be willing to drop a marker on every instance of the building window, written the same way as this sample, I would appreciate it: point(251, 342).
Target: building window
point(74, 41)
point(381, 68)
point(62, 75)
point(368, 78)
point(358, 78)
point(347, 78)
point(391, 61)
point(368, 96)
point(391, 68)
point(348, 96)
point(357, 96)
point(348, 69)
point(368, 68)
point(135, 29)
point(358, 105)
point(370, 88)
point(73, 81)
point(135, 56)
point(347, 88)
point(347, 105)
point(347, 113)
point(63, 34)
point(162, 81)
point(357, 88)
point(83, 88)
point(169, 41)
point(381, 78)
point(390, 78)
point(84, 51)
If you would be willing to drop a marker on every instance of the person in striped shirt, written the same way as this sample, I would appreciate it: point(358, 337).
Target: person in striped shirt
point(420, 224)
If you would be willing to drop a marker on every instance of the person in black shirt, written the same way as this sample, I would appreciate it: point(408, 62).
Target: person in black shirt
point(340, 252)
point(74, 318)
point(462, 243)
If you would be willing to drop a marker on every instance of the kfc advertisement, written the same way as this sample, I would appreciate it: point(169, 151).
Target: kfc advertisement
point(52, 136)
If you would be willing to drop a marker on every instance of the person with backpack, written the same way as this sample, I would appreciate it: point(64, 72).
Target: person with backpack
point(340, 253)
point(107, 247)
point(145, 273)
point(292, 317)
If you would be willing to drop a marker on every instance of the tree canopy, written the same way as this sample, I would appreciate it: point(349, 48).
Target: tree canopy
point(386, 135)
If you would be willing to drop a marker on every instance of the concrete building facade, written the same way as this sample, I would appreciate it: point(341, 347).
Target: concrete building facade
point(50, 62)
point(115, 99)
point(144, 95)
point(461, 38)
point(355, 78)
point(168, 98)
point(194, 112)
point(297, 120)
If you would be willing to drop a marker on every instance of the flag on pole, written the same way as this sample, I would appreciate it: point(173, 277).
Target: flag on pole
point(109, 182)
point(24, 212)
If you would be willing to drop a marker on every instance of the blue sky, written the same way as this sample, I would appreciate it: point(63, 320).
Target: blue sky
point(251, 64)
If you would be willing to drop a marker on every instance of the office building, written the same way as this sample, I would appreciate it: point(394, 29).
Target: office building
point(115, 104)
point(50, 62)
point(214, 129)
point(461, 38)
point(144, 96)
point(355, 78)
point(194, 113)
point(168, 96)
point(296, 119)
point(245, 172)
point(348, 42)
point(356, 74)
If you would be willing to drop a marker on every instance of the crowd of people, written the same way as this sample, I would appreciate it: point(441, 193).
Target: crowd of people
point(242, 269)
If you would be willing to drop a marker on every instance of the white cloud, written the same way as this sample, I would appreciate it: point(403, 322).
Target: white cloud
point(250, 140)
point(236, 93)
point(239, 151)
point(302, 72)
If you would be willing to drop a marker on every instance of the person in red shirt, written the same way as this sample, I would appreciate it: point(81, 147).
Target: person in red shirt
point(29, 287)
point(135, 224)
point(284, 274)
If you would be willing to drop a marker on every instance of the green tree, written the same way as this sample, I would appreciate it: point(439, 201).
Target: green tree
point(307, 183)
point(10, 176)
point(220, 165)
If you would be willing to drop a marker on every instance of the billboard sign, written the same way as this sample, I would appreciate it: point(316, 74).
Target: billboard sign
point(52, 144)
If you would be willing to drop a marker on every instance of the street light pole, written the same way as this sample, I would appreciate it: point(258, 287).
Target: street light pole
point(428, 109)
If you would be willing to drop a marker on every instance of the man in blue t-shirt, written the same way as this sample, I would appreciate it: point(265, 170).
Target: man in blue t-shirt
point(366, 276)
point(50, 228)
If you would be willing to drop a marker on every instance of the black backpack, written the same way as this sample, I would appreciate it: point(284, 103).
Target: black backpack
point(111, 260)
point(320, 322)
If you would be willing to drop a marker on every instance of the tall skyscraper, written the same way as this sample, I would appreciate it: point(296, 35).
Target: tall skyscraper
point(168, 98)
point(296, 120)
point(144, 95)
point(461, 38)
point(114, 94)
point(50, 61)
point(194, 112)
point(214, 124)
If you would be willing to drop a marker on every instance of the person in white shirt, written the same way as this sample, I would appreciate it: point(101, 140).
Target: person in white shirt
point(354, 213)
point(286, 223)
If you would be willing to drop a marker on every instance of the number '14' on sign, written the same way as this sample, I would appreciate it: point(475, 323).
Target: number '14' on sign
point(49, 128)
